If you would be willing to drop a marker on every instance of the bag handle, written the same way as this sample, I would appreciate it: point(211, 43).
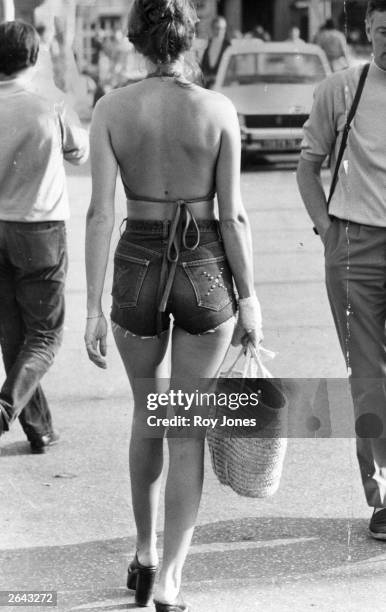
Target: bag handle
point(250, 353)
point(256, 355)
point(228, 372)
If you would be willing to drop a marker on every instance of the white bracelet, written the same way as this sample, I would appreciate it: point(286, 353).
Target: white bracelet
point(248, 300)
point(250, 312)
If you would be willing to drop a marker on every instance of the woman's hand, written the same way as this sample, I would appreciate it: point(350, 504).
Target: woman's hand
point(249, 323)
point(95, 339)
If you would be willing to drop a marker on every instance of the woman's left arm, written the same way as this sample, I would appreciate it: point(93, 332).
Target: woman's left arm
point(99, 227)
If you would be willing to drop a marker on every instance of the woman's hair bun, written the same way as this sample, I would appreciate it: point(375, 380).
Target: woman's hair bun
point(162, 29)
point(158, 12)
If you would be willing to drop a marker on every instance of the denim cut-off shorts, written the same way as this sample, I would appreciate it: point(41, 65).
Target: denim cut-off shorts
point(202, 295)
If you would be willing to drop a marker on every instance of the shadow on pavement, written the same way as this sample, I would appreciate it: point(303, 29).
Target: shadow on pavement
point(280, 548)
point(226, 554)
point(15, 448)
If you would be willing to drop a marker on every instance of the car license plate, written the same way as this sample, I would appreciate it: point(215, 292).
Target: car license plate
point(280, 145)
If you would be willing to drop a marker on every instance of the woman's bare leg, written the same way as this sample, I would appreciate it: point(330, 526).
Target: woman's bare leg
point(193, 357)
point(144, 359)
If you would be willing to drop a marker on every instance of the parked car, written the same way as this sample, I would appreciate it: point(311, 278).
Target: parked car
point(271, 85)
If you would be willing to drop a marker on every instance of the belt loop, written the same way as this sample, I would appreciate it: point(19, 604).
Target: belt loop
point(120, 227)
point(218, 230)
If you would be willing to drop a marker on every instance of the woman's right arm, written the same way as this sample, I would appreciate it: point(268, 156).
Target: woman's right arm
point(99, 227)
point(235, 228)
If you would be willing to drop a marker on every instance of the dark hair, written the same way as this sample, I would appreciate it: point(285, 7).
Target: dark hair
point(19, 46)
point(162, 29)
point(41, 29)
point(329, 24)
point(375, 5)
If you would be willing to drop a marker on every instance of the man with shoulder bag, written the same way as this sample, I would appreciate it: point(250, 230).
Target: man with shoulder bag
point(348, 120)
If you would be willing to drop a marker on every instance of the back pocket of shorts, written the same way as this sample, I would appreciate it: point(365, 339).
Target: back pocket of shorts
point(211, 280)
point(129, 274)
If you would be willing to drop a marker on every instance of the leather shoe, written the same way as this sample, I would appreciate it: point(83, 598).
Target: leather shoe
point(177, 607)
point(39, 444)
point(141, 578)
point(377, 526)
point(3, 420)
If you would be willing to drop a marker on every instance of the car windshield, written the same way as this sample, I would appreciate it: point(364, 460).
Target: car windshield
point(250, 68)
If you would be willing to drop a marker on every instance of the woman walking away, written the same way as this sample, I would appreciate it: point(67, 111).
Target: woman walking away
point(175, 145)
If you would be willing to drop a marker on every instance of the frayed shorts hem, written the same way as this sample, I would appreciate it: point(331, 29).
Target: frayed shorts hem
point(126, 332)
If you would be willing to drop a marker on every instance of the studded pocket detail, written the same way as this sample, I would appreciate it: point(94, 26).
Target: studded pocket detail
point(212, 282)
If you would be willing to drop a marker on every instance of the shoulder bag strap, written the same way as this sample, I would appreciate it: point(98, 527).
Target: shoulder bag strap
point(346, 130)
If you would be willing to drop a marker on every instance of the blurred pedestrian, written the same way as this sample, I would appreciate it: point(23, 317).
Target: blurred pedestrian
point(44, 68)
point(97, 40)
point(213, 53)
point(236, 34)
point(175, 258)
point(294, 36)
point(35, 135)
point(260, 33)
point(353, 232)
point(333, 43)
point(120, 48)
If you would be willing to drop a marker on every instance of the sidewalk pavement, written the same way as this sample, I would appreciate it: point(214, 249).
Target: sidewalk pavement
point(66, 522)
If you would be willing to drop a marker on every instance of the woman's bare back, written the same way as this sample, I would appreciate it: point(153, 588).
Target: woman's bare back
point(166, 138)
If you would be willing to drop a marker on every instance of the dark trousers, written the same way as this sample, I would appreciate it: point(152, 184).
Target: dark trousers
point(356, 284)
point(33, 265)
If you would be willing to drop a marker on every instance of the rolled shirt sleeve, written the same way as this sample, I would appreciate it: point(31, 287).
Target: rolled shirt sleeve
point(320, 129)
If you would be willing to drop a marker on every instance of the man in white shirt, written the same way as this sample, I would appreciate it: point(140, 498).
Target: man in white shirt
point(353, 232)
point(35, 134)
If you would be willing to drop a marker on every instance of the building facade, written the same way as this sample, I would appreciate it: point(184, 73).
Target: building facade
point(349, 16)
point(111, 15)
point(278, 16)
point(25, 9)
point(7, 10)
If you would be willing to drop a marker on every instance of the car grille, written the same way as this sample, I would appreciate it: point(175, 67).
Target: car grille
point(275, 121)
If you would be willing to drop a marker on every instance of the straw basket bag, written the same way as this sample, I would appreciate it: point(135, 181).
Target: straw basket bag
point(249, 459)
